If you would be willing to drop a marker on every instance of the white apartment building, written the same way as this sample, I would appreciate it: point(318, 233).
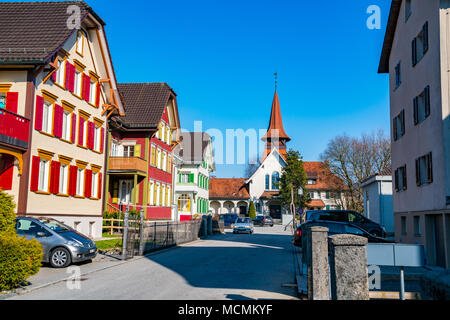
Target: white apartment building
point(416, 55)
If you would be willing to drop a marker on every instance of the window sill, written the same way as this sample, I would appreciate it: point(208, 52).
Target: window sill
point(59, 86)
point(42, 192)
point(79, 197)
point(47, 134)
point(92, 105)
point(66, 141)
point(62, 195)
point(77, 96)
point(82, 147)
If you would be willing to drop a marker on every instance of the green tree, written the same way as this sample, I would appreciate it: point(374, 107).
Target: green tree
point(252, 211)
point(7, 216)
point(293, 177)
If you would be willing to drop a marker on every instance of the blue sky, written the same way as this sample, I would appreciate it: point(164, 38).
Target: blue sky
point(220, 56)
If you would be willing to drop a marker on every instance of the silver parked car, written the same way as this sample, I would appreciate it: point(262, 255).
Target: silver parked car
point(62, 245)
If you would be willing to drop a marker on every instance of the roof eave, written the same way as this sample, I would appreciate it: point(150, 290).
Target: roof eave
point(394, 12)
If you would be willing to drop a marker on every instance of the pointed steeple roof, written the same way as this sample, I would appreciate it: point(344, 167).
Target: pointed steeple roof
point(276, 123)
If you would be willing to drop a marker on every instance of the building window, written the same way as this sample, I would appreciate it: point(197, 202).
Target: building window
point(275, 181)
point(403, 225)
point(164, 161)
point(159, 155)
point(80, 43)
point(128, 151)
point(408, 9)
point(97, 138)
point(417, 227)
point(77, 82)
point(420, 45)
point(422, 106)
point(400, 179)
point(47, 117)
point(424, 170)
point(44, 172)
point(94, 188)
point(184, 203)
point(92, 91)
point(66, 126)
point(60, 72)
point(80, 182)
point(311, 181)
point(2, 100)
point(63, 179)
point(267, 182)
point(398, 75)
point(114, 149)
point(185, 178)
point(399, 125)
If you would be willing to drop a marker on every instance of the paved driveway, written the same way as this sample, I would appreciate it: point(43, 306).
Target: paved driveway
point(241, 266)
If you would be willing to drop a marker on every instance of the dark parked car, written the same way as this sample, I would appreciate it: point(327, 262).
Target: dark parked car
point(228, 219)
point(337, 228)
point(349, 216)
point(263, 220)
point(62, 245)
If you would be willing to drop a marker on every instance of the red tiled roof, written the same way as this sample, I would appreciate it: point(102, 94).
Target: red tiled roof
point(269, 194)
point(144, 103)
point(228, 188)
point(324, 178)
point(33, 31)
point(316, 203)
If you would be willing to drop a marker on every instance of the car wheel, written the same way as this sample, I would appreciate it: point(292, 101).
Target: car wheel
point(60, 258)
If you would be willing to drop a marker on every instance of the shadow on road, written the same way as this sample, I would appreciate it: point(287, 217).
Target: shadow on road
point(259, 261)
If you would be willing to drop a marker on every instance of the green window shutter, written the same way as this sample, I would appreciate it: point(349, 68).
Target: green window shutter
point(191, 177)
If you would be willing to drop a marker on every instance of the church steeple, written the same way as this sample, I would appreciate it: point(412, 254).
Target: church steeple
point(275, 137)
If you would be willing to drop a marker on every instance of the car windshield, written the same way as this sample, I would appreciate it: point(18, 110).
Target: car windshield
point(243, 220)
point(54, 225)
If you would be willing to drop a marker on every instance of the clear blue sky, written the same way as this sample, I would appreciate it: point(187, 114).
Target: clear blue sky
point(220, 56)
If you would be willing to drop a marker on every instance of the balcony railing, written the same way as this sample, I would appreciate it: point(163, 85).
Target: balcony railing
point(14, 129)
point(127, 164)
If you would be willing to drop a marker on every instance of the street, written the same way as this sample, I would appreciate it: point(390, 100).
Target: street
point(235, 267)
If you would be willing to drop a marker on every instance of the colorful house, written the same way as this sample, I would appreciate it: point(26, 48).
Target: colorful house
point(196, 163)
point(140, 144)
point(57, 89)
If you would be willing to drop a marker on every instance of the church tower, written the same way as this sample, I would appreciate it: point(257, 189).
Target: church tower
point(276, 137)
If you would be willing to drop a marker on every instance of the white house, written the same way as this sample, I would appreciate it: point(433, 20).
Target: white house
point(194, 162)
point(378, 206)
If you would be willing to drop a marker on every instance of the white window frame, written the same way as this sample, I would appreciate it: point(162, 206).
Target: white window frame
point(158, 190)
point(44, 172)
point(78, 82)
point(60, 72)
point(80, 182)
point(94, 188)
point(47, 117)
point(92, 91)
point(63, 179)
point(67, 125)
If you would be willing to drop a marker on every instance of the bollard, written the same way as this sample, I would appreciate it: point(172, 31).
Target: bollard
point(141, 234)
point(317, 264)
point(348, 267)
point(125, 234)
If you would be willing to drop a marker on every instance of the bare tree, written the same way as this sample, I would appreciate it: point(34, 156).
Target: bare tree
point(354, 160)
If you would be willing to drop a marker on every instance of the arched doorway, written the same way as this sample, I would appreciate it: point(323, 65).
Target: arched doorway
point(215, 206)
point(243, 208)
point(229, 207)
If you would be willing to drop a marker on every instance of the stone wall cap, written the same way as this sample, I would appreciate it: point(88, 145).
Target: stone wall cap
point(348, 240)
point(318, 229)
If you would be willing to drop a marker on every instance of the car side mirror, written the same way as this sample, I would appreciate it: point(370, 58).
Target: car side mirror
point(41, 234)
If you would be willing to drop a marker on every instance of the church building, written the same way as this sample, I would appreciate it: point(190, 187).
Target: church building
point(262, 187)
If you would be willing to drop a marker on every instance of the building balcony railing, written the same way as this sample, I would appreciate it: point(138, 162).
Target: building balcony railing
point(14, 129)
point(127, 164)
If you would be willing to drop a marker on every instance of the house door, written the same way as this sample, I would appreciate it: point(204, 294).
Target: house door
point(243, 211)
point(125, 189)
point(435, 240)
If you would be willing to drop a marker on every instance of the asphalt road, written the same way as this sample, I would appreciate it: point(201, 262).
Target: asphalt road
point(237, 267)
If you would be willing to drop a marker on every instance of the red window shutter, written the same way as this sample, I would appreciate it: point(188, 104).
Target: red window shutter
point(89, 137)
point(99, 190)
point(34, 173)
point(88, 183)
point(54, 75)
point(71, 77)
point(39, 112)
point(102, 140)
point(87, 87)
point(56, 167)
point(6, 171)
point(55, 120)
point(72, 180)
point(97, 95)
point(12, 99)
point(80, 131)
point(67, 76)
point(74, 128)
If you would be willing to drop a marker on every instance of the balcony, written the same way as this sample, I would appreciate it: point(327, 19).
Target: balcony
point(14, 129)
point(127, 164)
